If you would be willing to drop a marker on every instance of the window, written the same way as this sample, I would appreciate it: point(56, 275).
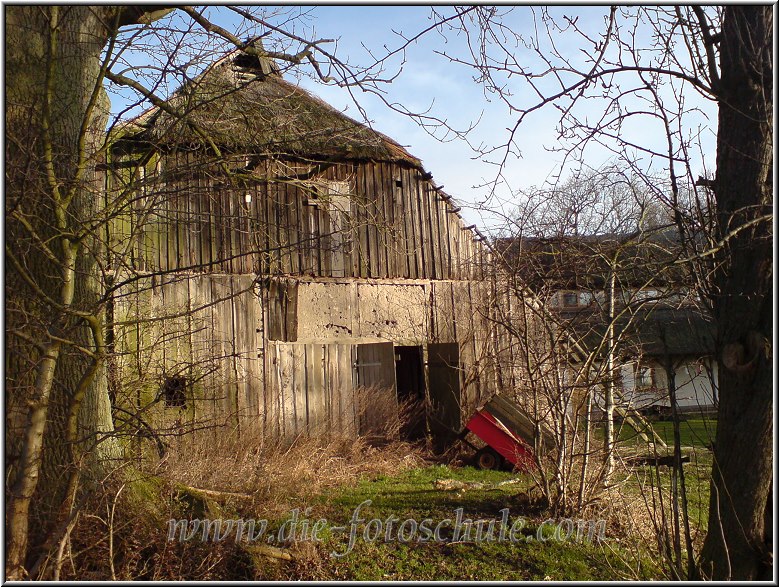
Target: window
point(174, 391)
point(646, 294)
point(329, 222)
point(570, 299)
point(338, 195)
point(575, 299)
point(643, 377)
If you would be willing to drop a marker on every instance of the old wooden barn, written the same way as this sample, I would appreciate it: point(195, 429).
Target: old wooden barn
point(284, 259)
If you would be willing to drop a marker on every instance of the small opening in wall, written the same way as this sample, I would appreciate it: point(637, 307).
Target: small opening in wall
point(174, 391)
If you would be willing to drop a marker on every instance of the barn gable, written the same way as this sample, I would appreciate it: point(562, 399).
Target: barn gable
point(284, 258)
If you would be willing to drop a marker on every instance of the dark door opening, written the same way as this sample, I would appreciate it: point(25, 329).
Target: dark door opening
point(410, 378)
point(444, 379)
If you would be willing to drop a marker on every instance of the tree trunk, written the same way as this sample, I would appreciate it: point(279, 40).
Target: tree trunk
point(608, 435)
point(55, 121)
point(735, 546)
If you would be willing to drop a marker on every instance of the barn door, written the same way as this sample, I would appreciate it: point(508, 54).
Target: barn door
point(375, 384)
point(444, 385)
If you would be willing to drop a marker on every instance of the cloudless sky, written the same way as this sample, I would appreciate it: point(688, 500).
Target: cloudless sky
point(428, 80)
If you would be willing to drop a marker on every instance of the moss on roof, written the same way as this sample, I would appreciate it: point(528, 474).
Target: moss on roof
point(245, 109)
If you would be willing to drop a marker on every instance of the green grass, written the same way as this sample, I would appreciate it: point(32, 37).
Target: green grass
point(695, 432)
point(696, 435)
point(414, 495)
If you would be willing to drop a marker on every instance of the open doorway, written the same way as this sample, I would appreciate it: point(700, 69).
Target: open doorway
point(410, 378)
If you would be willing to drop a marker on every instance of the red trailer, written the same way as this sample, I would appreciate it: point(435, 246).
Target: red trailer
point(509, 434)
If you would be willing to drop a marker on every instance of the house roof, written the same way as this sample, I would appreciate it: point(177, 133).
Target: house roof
point(242, 103)
point(676, 332)
point(583, 262)
point(652, 332)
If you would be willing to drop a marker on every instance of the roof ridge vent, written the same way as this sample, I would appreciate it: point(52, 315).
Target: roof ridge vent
point(248, 66)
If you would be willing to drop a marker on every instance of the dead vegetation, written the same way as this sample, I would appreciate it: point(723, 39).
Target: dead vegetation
point(120, 531)
point(267, 477)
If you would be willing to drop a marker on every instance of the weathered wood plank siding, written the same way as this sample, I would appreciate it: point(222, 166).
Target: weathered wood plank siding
point(282, 218)
point(266, 281)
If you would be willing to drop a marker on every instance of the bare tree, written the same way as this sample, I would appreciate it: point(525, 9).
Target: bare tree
point(657, 57)
point(588, 250)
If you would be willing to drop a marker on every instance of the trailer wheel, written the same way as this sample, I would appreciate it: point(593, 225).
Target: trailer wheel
point(488, 458)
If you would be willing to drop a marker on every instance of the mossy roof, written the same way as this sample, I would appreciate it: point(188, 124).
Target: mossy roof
point(254, 110)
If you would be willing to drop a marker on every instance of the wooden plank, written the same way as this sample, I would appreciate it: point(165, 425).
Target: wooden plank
point(349, 387)
point(231, 236)
point(201, 219)
point(277, 391)
point(246, 216)
point(440, 233)
point(161, 228)
point(427, 196)
point(286, 395)
point(300, 236)
point(277, 223)
point(310, 225)
point(228, 345)
point(196, 224)
point(299, 387)
point(371, 197)
point(270, 390)
point(443, 239)
point(363, 221)
point(444, 384)
point(322, 254)
point(317, 404)
point(251, 225)
point(333, 383)
point(423, 236)
point(291, 310)
point(293, 228)
point(182, 199)
point(416, 238)
point(381, 220)
point(205, 328)
point(336, 376)
point(262, 229)
point(397, 254)
point(207, 234)
point(273, 324)
point(399, 227)
point(277, 230)
point(383, 179)
point(245, 353)
point(408, 222)
point(372, 221)
point(235, 196)
point(218, 222)
point(237, 204)
point(409, 191)
point(398, 246)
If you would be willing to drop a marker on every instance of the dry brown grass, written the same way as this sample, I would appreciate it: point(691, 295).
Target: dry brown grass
point(266, 476)
point(121, 530)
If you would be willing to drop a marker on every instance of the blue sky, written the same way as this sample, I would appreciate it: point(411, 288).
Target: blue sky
point(428, 80)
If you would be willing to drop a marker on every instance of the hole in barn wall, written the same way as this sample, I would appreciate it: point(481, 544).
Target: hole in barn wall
point(174, 391)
